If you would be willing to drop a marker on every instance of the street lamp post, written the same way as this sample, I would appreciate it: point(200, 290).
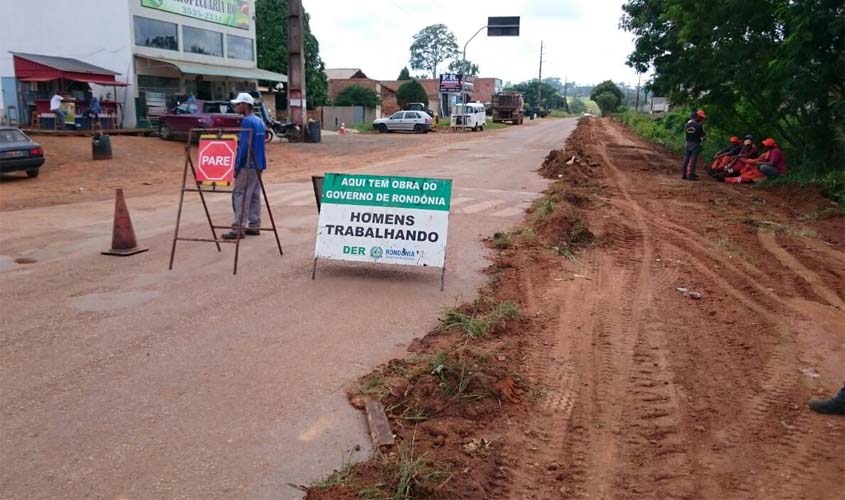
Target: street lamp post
point(464, 69)
point(496, 26)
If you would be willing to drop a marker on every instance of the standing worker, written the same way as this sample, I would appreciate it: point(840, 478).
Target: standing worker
point(695, 135)
point(249, 163)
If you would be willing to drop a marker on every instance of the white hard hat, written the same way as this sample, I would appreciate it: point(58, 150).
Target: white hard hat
point(244, 97)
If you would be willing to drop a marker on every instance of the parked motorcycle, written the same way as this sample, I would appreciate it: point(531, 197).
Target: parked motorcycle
point(289, 131)
point(275, 128)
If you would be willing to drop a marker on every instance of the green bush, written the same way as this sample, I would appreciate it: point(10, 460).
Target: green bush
point(411, 91)
point(668, 131)
point(356, 95)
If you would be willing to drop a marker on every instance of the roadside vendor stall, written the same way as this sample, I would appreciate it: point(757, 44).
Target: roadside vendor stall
point(83, 87)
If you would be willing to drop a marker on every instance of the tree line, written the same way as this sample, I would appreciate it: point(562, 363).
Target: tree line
point(773, 67)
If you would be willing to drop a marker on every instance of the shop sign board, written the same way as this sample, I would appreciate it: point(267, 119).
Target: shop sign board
point(384, 219)
point(216, 159)
point(234, 13)
point(451, 82)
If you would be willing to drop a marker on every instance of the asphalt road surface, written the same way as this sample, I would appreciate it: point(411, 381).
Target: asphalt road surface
point(121, 379)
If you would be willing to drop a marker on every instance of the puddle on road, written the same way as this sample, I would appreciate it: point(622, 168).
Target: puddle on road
point(111, 301)
point(6, 263)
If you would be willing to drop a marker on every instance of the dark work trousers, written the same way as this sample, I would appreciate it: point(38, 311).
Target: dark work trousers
point(768, 170)
point(252, 193)
point(691, 152)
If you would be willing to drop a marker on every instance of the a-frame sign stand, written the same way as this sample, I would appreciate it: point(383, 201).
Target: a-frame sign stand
point(198, 187)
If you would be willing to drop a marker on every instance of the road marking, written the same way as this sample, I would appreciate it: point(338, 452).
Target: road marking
point(509, 212)
point(310, 201)
point(289, 198)
point(501, 191)
point(460, 200)
point(478, 207)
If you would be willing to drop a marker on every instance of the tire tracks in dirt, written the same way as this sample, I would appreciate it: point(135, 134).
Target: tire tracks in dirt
point(651, 419)
point(792, 453)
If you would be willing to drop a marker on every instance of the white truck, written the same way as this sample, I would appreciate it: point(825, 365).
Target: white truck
point(470, 115)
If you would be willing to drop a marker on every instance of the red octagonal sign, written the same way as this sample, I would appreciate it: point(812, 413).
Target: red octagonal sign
point(216, 162)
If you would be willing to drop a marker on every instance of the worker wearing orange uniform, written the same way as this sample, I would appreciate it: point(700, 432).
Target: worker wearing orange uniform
point(772, 163)
point(725, 156)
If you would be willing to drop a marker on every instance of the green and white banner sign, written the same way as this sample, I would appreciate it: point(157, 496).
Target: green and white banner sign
point(234, 13)
point(390, 220)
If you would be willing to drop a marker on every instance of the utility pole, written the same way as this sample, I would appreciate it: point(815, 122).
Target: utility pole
point(297, 110)
point(639, 79)
point(565, 101)
point(540, 78)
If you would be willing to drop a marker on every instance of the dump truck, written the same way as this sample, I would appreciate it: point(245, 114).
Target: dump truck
point(507, 107)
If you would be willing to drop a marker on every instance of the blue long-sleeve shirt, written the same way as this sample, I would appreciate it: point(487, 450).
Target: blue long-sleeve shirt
point(258, 160)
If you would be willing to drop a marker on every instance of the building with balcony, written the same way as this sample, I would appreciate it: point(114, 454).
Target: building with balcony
point(159, 51)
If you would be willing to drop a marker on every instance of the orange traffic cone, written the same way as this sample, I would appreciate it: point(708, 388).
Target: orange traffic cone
point(123, 241)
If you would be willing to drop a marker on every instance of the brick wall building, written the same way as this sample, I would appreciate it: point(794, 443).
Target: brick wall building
point(483, 90)
point(341, 78)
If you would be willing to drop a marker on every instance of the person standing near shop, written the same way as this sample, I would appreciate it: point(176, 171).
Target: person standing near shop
point(694, 130)
point(249, 164)
point(56, 108)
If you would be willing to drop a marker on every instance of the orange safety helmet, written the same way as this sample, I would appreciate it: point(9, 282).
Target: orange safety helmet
point(769, 142)
point(735, 140)
point(701, 114)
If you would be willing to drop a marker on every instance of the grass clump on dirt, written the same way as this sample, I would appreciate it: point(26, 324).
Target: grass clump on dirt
point(475, 324)
point(461, 377)
point(579, 234)
point(501, 240)
point(409, 470)
point(374, 385)
point(542, 207)
point(339, 477)
point(364, 128)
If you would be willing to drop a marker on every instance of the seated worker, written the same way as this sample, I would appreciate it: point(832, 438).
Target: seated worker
point(725, 156)
point(749, 149)
point(775, 163)
point(771, 163)
point(734, 167)
point(93, 111)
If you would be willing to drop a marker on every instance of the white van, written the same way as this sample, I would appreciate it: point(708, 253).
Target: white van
point(472, 114)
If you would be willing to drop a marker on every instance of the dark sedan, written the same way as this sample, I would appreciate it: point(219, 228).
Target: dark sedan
point(19, 153)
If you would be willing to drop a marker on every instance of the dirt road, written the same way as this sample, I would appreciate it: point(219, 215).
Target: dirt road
point(121, 379)
point(671, 335)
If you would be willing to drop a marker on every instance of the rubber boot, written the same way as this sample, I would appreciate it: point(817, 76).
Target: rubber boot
point(832, 406)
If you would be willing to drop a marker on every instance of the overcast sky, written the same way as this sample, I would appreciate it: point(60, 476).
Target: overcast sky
point(582, 39)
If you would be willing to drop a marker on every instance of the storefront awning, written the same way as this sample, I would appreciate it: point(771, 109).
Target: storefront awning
point(41, 68)
point(192, 68)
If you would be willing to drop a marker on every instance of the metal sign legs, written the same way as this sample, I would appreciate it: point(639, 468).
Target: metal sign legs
point(238, 229)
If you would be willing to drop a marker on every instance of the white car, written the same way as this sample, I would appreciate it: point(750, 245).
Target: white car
point(472, 115)
point(408, 121)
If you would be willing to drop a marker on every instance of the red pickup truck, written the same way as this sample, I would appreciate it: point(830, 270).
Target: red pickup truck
point(197, 114)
